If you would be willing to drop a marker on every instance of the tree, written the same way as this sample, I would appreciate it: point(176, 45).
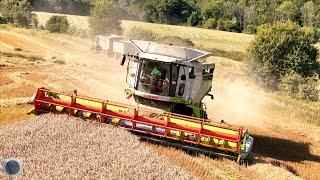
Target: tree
point(17, 12)
point(195, 19)
point(210, 23)
point(250, 18)
point(151, 13)
point(105, 17)
point(317, 21)
point(251, 29)
point(75, 7)
point(231, 25)
point(280, 49)
point(35, 20)
point(228, 25)
point(286, 11)
point(57, 24)
point(168, 11)
point(239, 13)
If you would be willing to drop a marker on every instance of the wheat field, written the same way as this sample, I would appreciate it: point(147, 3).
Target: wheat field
point(61, 146)
point(210, 39)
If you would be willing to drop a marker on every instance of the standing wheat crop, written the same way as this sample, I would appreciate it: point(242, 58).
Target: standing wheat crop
point(59, 146)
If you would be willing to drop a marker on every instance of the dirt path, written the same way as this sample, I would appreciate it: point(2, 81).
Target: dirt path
point(76, 67)
point(68, 64)
point(14, 40)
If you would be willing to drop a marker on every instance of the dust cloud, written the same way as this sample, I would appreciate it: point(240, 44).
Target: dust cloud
point(237, 102)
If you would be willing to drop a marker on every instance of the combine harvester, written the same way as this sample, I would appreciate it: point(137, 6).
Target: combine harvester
point(168, 83)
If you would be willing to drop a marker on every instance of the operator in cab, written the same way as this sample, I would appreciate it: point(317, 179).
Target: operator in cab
point(157, 76)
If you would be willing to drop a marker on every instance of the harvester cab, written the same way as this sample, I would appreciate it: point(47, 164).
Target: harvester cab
point(167, 77)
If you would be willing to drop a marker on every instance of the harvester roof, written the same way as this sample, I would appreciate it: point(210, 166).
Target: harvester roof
point(167, 53)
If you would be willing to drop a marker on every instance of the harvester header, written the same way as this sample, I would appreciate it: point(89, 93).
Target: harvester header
point(209, 137)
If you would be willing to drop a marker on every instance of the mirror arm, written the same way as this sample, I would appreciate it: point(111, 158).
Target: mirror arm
point(211, 96)
point(123, 60)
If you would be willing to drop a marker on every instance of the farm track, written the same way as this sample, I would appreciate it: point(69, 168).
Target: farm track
point(278, 141)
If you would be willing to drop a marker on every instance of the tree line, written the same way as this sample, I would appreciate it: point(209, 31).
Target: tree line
point(74, 7)
point(248, 15)
point(227, 15)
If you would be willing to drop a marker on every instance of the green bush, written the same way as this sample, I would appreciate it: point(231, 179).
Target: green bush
point(251, 29)
point(210, 23)
point(301, 88)
point(34, 19)
point(228, 25)
point(176, 40)
point(194, 19)
point(2, 21)
point(105, 18)
point(282, 49)
point(231, 25)
point(317, 21)
point(220, 25)
point(17, 12)
point(57, 24)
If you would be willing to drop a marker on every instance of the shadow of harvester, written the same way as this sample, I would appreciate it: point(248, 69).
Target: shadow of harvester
point(283, 149)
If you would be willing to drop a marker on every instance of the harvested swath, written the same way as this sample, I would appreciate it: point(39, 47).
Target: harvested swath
point(208, 168)
point(272, 172)
point(55, 146)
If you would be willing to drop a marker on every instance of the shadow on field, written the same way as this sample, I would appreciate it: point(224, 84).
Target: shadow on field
point(283, 149)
